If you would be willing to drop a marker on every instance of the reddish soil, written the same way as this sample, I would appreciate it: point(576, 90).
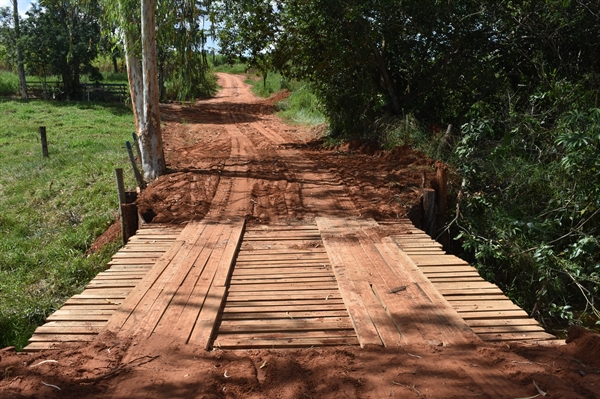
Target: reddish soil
point(230, 156)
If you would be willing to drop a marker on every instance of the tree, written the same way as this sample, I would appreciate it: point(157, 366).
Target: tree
point(249, 29)
point(138, 26)
point(61, 38)
point(20, 66)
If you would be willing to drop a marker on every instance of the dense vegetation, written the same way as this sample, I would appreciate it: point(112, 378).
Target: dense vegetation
point(505, 91)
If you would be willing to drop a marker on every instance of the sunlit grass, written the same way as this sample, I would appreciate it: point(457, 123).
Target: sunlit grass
point(52, 209)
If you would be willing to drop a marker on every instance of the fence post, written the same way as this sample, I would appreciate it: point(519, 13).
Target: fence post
point(429, 211)
point(44, 141)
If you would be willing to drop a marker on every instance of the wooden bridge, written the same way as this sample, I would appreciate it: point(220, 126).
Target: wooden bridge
point(338, 282)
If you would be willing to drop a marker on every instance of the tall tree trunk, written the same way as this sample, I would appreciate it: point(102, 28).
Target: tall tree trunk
point(151, 145)
point(134, 75)
point(20, 66)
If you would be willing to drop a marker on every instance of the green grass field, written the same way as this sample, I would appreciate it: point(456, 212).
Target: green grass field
point(52, 209)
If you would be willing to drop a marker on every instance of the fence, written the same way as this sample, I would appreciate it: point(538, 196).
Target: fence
point(91, 91)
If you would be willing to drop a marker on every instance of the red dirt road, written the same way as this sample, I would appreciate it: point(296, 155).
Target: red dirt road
point(230, 156)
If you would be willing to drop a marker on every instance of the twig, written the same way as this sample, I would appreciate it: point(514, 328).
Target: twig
point(457, 211)
point(44, 361)
point(50, 385)
point(121, 367)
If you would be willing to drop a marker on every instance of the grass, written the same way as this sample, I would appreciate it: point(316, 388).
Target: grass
point(236, 69)
point(52, 209)
point(9, 83)
point(302, 107)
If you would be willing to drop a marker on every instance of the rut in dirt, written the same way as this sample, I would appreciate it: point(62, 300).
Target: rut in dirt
point(230, 156)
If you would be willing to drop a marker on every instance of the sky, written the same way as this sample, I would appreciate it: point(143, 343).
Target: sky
point(23, 5)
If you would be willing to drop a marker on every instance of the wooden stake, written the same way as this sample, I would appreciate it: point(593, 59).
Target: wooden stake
point(429, 211)
point(136, 172)
point(121, 191)
point(442, 198)
point(44, 141)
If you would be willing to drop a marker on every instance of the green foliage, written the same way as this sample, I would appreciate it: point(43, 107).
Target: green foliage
point(9, 83)
point(530, 204)
point(52, 209)
point(248, 29)
point(302, 106)
point(60, 38)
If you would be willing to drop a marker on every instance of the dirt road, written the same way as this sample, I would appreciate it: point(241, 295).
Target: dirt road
point(233, 157)
point(230, 156)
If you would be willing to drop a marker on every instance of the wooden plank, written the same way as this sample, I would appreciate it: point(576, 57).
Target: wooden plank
point(302, 270)
point(283, 315)
point(40, 346)
point(157, 302)
point(78, 317)
point(104, 306)
point(454, 279)
point(226, 342)
point(363, 324)
point(440, 309)
point(204, 327)
point(227, 260)
point(75, 310)
point(202, 269)
point(256, 326)
point(68, 329)
point(132, 301)
point(496, 314)
point(270, 286)
point(318, 280)
point(62, 338)
point(291, 238)
point(467, 291)
point(516, 336)
point(508, 329)
point(283, 256)
point(137, 261)
point(444, 260)
point(309, 262)
point(197, 322)
point(134, 255)
point(75, 323)
point(305, 307)
point(231, 305)
point(474, 297)
point(281, 296)
point(502, 322)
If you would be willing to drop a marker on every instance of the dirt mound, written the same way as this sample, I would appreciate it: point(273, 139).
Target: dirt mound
point(584, 345)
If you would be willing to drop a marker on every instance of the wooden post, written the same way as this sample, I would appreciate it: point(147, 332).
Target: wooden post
point(44, 141)
point(429, 211)
point(136, 172)
point(121, 190)
point(442, 198)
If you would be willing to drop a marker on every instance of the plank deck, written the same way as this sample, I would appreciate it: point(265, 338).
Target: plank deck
point(483, 306)
point(84, 315)
point(283, 293)
point(340, 282)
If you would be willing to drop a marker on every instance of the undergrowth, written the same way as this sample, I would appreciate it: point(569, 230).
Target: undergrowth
point(52, 209)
